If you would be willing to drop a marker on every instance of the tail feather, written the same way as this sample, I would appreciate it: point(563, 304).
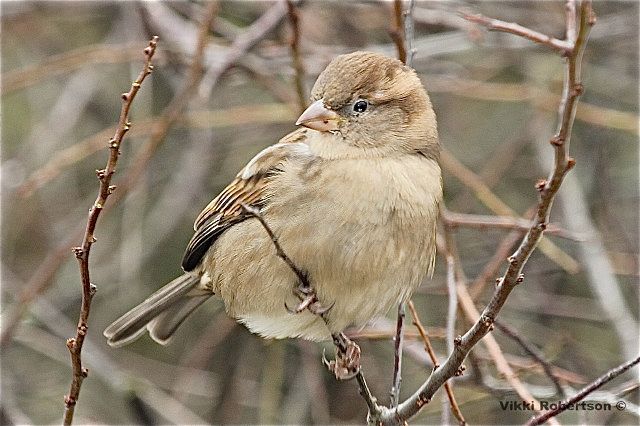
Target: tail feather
point(162, 327)
point(178, 292)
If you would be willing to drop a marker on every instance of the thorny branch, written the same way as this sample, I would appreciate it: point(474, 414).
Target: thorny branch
point(548, 189)
point(45, 272)
point(82, 252)
point(596, 384)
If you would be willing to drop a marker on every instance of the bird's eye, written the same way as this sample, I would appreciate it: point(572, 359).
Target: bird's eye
point(360, 105)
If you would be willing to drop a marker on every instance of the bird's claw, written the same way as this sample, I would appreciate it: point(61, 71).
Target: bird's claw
point(347, 363)
point(308, 301)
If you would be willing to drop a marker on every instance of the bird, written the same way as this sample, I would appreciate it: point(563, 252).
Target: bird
point(352, 197)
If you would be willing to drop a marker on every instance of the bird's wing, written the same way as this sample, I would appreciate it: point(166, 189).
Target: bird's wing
point(247, 188)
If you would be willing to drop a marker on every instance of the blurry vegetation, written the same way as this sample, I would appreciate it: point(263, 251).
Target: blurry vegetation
point(495, 96)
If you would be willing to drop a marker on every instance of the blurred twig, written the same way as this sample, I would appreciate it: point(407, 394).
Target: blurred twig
point(434, 360)
point(66, 62)
point(294, 20)
point(533, 352)
point(519, 92)
point(396, 32)
point(83, 251)
point(495, 204)
point(568, 403)
point(203, 119)
point(456, 279)
point(493, 266)
point(562, 46)
point(602, 280)
point(467, 220)
point(243, 43)
point(492, 346)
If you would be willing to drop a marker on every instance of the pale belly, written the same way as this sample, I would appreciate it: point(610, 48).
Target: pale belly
point(361, 263)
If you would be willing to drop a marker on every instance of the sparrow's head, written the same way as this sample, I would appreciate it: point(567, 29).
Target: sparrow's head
point(373, 102)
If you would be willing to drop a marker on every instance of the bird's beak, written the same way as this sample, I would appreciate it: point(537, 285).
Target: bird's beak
point(318, 117)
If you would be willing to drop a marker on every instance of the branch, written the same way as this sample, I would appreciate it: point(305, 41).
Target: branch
point(453, 220)
point(568, 403)
point(396, 32)
point(65, 63)
point(397, 359)
point(513, 275)
point(294, 44)
point(408, 32)
point(82, 252)
point(563, 46)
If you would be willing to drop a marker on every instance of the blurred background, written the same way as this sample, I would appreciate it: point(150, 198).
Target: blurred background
point(64, 66)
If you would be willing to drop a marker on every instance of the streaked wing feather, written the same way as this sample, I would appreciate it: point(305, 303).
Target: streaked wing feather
point(248, 188)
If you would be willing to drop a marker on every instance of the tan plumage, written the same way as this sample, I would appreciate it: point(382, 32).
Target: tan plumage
point(353, 199)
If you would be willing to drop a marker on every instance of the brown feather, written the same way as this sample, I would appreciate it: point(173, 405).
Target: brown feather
point(247, 188)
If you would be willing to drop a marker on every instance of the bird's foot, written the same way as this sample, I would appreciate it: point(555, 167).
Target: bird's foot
point(308, 300)
point(347, 363)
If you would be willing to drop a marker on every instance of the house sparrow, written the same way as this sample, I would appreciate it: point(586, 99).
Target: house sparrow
point(352, 197)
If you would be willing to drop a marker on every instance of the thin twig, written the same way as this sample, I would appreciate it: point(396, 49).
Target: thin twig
point(456, 279)
point(67, 62)
point(302, 277)
point(519, 92)
point(200, 119)
point(455, 409)
point(569, 403)
point(487, 197)
point(83, 251)
point(397, 359)
point(408, 32)
point(513, 275)
point(242, 44)
point(452, 220)
point(294, 44)
point(493, 266)
point(402, 35)
point(563, 46)
point(533, 352)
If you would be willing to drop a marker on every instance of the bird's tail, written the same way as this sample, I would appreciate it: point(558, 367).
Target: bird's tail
point(162, 312)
